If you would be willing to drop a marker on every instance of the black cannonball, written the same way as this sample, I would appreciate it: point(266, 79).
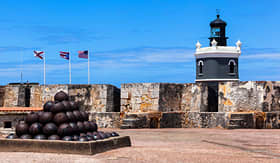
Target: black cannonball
point(81, 127)
point(78, 115)
point(40, 137)
point(22, 128)
point(83, 134)
point(48, 105)
point(67, 138)
point(87, 125)
point(67, 106)
point(60, 118)
point(114, 134)
point(12, 136)
point(102, 135)
point(46, 117)
point(32, 118)
point(89, 134)
point(93, 126)
point(76, 137)
point(35, 128)
point(71, 117)
point(26, 136)
point(40, 113)
point(50, 129)
point(107, 134)
point(84, 115)
point(74, 105)
point(89, 138)
point(83, 138)
point(64, 130)
point(54, 137)
point(58, 107)
point(75, 128)
point(61, 96)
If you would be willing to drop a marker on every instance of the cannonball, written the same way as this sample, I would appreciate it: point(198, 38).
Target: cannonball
point(84, 115)
point(83, 134)
point(78, 115)
point(58, 107)
point(81, 126)
point(67, 138)
point(35, 128)
point(89, 134)
point(64, 130)
point(61, 96)
point(76, 137)
point(60, 118)
point(54, 137)
point(40, 137)
point(114, 134)
point(87, 125)
point(93, 126)
point(67, 106)
point(50, 129)
point(32, 118)
point(83, 138)
point(89, 138)
point(74, 126)
point(46, 117)
point(48, 105)
point(22, 128)
point(26, 136)
point(12, 136)
point(71, 117)
point(40, 113)
point(74, 105)
point(107, 134)
point(102, 135)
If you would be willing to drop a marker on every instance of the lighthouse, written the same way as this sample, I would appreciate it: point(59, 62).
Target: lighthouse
point(217, 62)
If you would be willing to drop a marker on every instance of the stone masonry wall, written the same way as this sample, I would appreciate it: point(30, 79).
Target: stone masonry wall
point(11, 96)
point(261, 96)
point(163, 97)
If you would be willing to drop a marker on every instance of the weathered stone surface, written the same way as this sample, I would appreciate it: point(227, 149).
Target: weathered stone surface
point(10, 117)
point(205, 120)
point(249, 96)
point(172, 120)
point(2, 95)
point(106, 119)
point(11, 96)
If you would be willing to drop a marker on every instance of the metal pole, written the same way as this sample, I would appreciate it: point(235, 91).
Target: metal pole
point(69, 68)
point(88, 69)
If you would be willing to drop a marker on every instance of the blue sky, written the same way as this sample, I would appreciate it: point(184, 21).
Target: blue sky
point(132, 40)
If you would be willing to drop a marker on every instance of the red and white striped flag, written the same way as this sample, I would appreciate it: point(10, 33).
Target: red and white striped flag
point(83, 54)
point(38, 54)
point(64, 55)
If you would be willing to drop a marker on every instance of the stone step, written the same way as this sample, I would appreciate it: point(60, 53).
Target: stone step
point(238, 122)
point(241, 116)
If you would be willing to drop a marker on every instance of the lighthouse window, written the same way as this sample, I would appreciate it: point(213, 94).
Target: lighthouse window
point(215, 32)
point(231, 65)
point(200, 64)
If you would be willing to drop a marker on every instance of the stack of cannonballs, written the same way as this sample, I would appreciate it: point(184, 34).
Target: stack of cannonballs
point(60, 120)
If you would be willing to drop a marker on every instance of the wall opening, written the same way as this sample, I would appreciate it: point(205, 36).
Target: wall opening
point(154, 122)
point(27, 96)
point(212, 97)
point(8, 124)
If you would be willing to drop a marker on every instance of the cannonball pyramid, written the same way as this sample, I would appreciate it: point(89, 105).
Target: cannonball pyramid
point(60, 120)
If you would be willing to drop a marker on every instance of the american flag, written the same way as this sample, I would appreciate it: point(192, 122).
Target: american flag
point(38, 54)
point(64, 55)
point(83, 54)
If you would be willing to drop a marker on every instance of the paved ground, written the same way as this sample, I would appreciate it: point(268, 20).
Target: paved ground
point(177, 145)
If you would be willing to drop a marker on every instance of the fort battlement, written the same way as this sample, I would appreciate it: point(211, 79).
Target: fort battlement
point(251, 104)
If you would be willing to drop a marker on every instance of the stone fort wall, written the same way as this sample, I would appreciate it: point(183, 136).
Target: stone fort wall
point(139, 105)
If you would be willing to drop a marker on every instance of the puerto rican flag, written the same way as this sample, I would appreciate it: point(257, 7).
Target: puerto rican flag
point(64, 55)
point(83, 54)
point(38, 54)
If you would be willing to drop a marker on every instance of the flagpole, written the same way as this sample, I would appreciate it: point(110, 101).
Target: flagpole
point(45, 69)
point(69, 68)
point(88, 68)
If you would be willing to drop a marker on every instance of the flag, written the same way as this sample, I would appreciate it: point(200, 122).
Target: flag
point(83, 54)
point(38, 54)
point(64, 55)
